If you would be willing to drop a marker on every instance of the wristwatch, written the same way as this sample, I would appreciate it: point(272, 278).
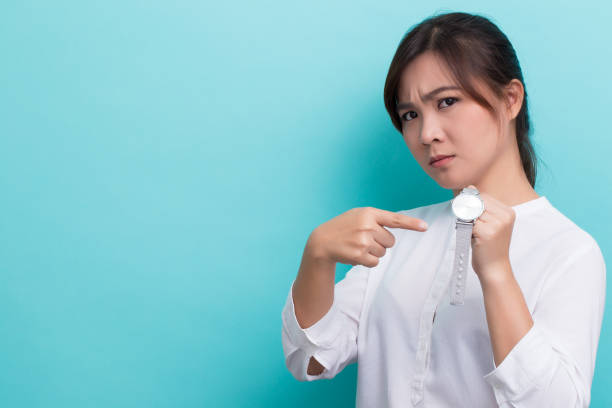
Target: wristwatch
point(467, 207)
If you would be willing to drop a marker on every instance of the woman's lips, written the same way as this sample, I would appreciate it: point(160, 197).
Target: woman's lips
point(442, 162)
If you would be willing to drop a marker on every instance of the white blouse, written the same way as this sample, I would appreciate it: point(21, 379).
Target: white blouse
point(414, 348)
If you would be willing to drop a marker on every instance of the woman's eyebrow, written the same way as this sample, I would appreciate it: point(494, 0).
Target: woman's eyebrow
point(428, 96)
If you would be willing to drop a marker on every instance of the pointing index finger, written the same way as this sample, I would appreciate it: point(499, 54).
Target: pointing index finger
point(397, 220)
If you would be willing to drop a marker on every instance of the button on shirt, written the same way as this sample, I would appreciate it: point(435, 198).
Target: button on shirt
point(414, 348)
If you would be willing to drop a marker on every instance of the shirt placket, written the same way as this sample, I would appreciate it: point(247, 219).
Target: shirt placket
point(441, 282)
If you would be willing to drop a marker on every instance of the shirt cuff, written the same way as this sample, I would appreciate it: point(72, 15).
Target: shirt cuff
point(530, 364)
point(320, 335)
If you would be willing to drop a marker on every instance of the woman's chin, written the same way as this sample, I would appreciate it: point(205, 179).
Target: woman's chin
point(449, 184)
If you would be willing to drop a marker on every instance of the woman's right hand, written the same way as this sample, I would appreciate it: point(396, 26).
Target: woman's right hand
point(358, 236)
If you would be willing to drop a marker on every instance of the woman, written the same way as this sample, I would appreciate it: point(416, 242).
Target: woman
point(528, 330)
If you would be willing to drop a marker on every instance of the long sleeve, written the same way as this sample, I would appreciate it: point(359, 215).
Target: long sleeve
point(333, 339)
point(553, 364)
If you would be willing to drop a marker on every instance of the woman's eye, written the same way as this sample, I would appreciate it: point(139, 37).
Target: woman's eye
point(449, 101)
point(404, 116)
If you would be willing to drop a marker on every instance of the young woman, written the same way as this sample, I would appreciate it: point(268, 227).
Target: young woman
point(527, 330)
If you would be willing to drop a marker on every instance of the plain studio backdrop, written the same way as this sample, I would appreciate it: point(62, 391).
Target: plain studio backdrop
point(163, 163)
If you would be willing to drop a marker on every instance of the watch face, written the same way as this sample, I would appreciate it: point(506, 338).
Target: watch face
point(467, 207)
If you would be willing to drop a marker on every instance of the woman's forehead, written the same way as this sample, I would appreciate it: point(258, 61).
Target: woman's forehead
point(424, 74)
point(428, 73)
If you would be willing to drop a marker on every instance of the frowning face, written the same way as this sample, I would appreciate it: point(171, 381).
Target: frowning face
point(438, 118)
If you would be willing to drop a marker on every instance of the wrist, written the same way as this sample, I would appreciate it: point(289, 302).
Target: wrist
point(315, 252)
point(316, 266)
point(496, 274)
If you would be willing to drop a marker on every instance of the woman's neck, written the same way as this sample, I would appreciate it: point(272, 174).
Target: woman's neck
point(505, 181)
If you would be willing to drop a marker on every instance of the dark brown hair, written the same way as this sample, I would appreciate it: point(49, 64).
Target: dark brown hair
point(472, 47)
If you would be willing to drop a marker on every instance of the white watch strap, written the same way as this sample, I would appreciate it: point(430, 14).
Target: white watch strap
point(460, 267)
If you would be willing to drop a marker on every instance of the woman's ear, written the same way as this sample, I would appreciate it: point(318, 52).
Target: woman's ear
point(514, 94)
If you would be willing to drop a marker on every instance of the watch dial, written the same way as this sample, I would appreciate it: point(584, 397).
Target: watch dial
point(467, 207)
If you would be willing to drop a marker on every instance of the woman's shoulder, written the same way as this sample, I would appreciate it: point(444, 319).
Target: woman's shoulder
point(558, 230)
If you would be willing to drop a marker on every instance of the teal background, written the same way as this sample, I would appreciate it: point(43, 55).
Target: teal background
point(163, 163)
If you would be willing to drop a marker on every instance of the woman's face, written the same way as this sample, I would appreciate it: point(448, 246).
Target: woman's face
point(447, 123)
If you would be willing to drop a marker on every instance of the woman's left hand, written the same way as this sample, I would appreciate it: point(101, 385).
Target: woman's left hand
point(491, 239)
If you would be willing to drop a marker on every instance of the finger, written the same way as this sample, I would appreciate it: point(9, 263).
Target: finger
point(369, 260)
point(491, 206)
point(485, 216)
point(384, 237)
point(397, 220)
point(377, 250)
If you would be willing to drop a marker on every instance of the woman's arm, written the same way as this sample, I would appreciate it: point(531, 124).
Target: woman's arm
point(508, 316)
point(313, 290)
point(552, 362)
point(323, 349)
point(313, 294)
